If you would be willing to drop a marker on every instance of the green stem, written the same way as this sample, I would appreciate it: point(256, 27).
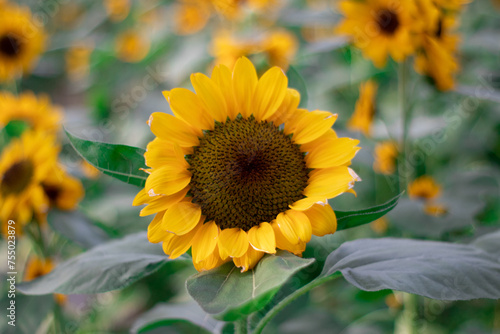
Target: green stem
point(404, 168)
point(290, 298)
point(410, 313)
point(241, 326)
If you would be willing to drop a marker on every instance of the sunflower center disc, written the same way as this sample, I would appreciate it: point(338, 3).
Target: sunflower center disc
point(10, 46)
point(388, 21)
point(17, 178)
point(245, 173)
point(52, 192)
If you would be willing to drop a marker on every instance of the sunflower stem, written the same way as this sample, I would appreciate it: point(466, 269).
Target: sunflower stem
point(290, 298)
point(404, 167)
point(241, 326)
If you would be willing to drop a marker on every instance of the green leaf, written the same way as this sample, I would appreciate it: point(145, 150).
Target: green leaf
point(296, 81)
point(119, 161)
point(110, 266)
point(349, 219)
point(166, 315)
point(230, 294)
point(77, 228)
point(437, 270)
point(38, 307)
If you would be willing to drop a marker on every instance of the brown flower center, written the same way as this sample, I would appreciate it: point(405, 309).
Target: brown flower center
point(52, 192)
point(387, 21)
point(17, 178)
point(10, 46)
point(246, 172)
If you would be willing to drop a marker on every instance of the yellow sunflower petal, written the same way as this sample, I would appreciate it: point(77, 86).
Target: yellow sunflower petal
point(232, 242)
point(181, 218)
point(322, 218)
point(176, 245)
point(155, 232)
point(249, 260)
point(187, 106)
point(313, 125)
point(270, 92)
point(223, 77)
point(211, 96)
point(262, 238)
point(244, 84)
point(204, 241)
point(330, 182)
point(166, 181)
point(284, 243)
point(212, 261)
point(142, 197)
point(295, 226)
point(332, 153)
point(162, 203)
point(287, 108)
point(172, 129)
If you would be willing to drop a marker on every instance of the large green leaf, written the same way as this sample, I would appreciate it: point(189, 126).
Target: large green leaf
point(110, 266)
point(166, 315)
point(77, 228)
point(296, 81)
point(437, 270)
point(119, 161)
point(348, 219)
point(230, 294)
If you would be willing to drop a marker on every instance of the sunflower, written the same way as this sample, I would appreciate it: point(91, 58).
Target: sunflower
point(240, 171)
point(233, 9)
point(380, 28)
point(280, 47)
point(436, 55)
point(191, 16)
point(386, 154)
point(62, 190)
point(78, 61)
point(117, 10)
point(21, 41)
point(36, 111)
point(424, 187)
point(227, 49)
point(24, 163)
point(132, 46)
point(37, 267)
point(362, 118)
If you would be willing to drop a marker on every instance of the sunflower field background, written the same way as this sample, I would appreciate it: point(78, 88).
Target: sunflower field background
point(400, 236)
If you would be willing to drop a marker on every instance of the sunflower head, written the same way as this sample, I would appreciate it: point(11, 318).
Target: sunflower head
point(24, 163)
point(132, 46)
point(380, 28)
point(386, 154)
point(364, 112)
point(424, 187)
point(62, 190)
point(21, 41)
point(239, 170)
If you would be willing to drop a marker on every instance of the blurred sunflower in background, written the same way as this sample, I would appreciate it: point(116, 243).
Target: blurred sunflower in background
point(24, 164)
point(240, 171)
point(63, 191)
point(364, 111)
point(21, 41)
point(37, 112)
point(37, 267)
point(386, 154)
point(380, 28)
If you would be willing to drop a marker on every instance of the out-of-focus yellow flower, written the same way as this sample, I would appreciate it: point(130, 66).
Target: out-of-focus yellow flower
point(424, 187)
point(393, 302)
point(24, 164)
point(117, 10)
point(380, 225)
point(69, 15)
point(191, 16)
point(438, 45)
point(364, 111)
point(63, 191)
point(37, 267)
point(280, 47)
point(386, 154)
point(227, 49)
point(380, 28)
point(435, 209)
point(454, 5)
point(234, 9)
point(36, 111)
point(21, 41)
point(131, 46)
point(89, 171)
point(78, 61)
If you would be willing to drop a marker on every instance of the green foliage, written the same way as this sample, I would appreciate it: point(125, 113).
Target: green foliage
point(119, 161)
point(107, 267)
point(229, 294)
point(295, 80)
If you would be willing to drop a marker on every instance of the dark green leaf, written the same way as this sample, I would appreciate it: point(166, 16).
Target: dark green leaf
point(110, 266)
point(119, 161)
point(164, 315)
point(437, 270)
point(349, 219)
point(77, 228)
point(230, 294)
point(296, 81)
